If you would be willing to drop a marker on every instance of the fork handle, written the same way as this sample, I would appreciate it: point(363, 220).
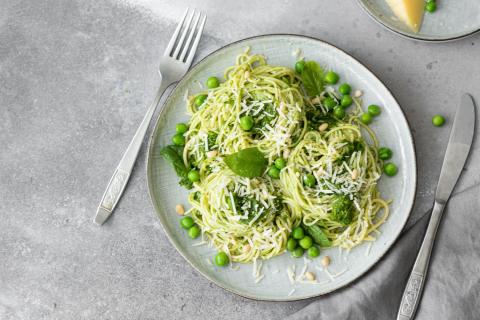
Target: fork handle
point(122, 173)
point(413, 290)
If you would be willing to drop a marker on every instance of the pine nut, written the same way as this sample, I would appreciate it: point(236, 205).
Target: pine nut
point(310, 276)
point(354, 174)
point(325, 261)
point(315, 100)
point(180, 210)
point(323, 127)
point(212, 154)
point(358, 93)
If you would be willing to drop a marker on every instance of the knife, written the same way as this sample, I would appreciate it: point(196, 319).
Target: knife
point(458, 148)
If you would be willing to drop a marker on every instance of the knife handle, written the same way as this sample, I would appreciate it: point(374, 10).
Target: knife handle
point(413, 291)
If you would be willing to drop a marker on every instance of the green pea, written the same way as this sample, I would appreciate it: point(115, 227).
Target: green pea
point(309, 180)
point(374, 110)
point(298, 233)
point(331, 77)
point(431, 6)
point(178, 139)
point(339, 112)
point(274, 172)
point(346, 101)
point(390, 169)
point(200, 99)
point(306, 242)
point(181, 128)
point(329, 103)
point(344, 88)
point(187, 222)
point(193, 175)
point(246, 123)
point(298, 252)
point(291, 244)
point(313, 252)
point(194, 232)
point(280, 163)
point(385, 153)
point(438, 120)
point(212, 82)
point(366, 118)
point(299, 66)
point(221, 259)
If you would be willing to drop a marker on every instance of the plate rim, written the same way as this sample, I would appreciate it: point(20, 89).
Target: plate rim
point(149, 161)
point(410, 36)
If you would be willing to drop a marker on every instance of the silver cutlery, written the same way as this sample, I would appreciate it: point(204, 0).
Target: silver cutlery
point(174, 63)
point(458, 148)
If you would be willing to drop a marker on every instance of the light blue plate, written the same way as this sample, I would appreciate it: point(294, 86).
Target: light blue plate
point(452, 20)
point(391, 127)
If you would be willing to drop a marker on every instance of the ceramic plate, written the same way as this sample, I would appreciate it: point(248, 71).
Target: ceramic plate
point(391, 128)
point(452, 20)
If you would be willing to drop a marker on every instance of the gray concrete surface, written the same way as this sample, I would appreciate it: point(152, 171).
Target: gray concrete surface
point(75, 78)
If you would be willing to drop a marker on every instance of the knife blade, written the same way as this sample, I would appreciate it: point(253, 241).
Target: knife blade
point(458, 147)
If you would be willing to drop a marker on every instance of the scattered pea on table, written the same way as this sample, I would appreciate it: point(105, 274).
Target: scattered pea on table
point(431, 6)
point(438, 120)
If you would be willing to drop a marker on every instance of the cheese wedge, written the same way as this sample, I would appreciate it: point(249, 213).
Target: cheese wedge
point(409, 12)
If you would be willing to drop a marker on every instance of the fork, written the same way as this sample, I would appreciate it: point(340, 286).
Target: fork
point(174, 63)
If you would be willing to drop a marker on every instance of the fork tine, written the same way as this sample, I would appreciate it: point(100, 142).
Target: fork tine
point(190, 37)
point(197, 40)
point(171, 43)
point(186, 29)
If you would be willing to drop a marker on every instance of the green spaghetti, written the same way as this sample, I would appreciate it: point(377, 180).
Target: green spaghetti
point(272, 150)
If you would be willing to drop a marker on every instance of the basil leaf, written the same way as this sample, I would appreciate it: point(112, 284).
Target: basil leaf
point(248, 163)
point(312, 78)
point(318, 236)
point(172, 154)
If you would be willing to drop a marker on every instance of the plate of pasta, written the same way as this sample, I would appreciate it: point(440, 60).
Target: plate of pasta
point(281, 168)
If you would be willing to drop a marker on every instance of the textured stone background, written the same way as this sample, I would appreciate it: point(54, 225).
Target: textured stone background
point(75, 79)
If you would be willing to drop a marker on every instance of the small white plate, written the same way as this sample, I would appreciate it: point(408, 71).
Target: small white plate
point(391, 128)
point(452, 20)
